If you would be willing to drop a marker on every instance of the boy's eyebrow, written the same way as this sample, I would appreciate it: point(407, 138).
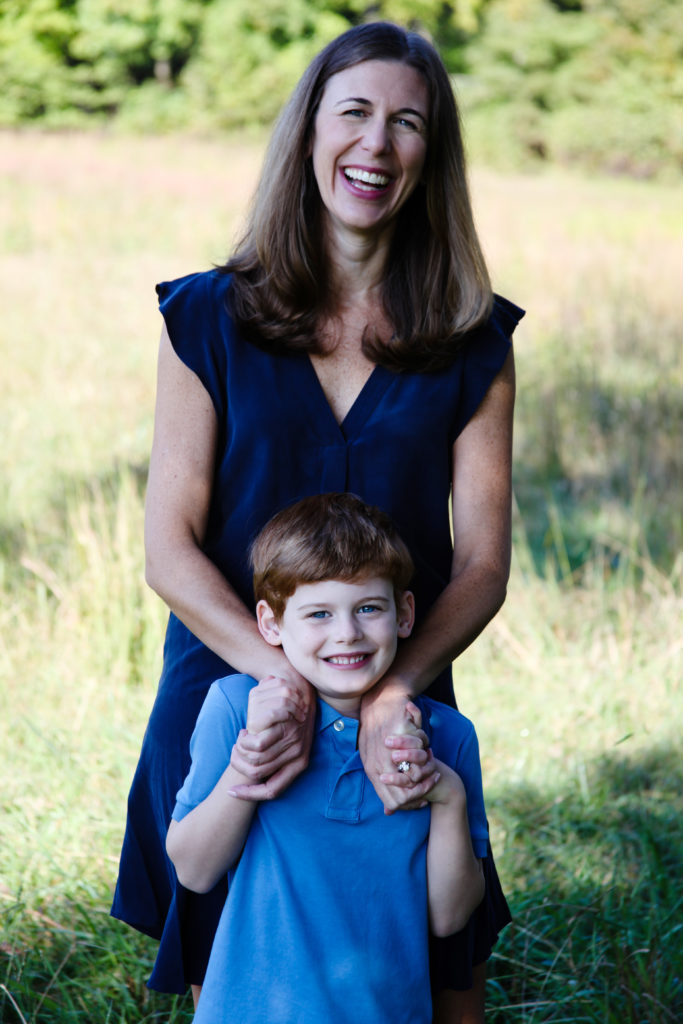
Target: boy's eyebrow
point(379, 599)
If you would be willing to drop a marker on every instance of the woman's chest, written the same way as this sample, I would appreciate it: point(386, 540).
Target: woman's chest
point(342, 375)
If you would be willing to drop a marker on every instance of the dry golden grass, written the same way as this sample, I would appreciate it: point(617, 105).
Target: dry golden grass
point(583, 662)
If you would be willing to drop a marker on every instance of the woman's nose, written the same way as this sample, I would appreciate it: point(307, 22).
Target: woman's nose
point(376, 138)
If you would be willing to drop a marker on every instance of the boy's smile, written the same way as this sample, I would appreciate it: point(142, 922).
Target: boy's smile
point(341, 636)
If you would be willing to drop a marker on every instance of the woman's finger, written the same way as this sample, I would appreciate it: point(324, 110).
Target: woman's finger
point(402, 798)
point(409, 740)
point(414, 757)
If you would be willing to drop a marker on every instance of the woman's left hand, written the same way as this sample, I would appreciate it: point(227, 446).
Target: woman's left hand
point(390, 734)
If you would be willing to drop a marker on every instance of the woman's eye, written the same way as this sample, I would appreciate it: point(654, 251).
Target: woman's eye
point(404, 122)
point(354, 112)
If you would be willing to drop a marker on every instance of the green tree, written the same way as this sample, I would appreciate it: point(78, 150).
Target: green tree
point(34, 44)
point(62, 58)
point(600, 85)
point(252, 52)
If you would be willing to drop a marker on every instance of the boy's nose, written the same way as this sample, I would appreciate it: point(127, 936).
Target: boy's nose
point(348, 630)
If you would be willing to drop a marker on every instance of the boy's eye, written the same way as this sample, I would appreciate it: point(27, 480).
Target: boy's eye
point(320, 614)
point(365, 609)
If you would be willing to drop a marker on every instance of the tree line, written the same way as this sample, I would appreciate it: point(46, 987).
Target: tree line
point(593, 82)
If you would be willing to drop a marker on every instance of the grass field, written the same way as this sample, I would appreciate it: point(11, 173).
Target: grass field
point(575, 686)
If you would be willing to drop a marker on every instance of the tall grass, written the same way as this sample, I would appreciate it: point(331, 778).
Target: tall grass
point(574, 687)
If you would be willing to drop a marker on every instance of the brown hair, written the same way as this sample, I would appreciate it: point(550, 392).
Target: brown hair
point(436, 286)
point(326, 537)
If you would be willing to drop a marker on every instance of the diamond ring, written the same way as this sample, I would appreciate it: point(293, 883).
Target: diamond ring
point(404, 766)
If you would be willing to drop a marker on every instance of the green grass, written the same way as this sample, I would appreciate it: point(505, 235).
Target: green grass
point(574, 687)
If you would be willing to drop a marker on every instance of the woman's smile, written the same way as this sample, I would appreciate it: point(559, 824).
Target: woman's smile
point(367, 182)
point(370, 143)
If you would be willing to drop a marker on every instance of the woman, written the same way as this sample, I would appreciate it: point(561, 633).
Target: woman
point(352, 343)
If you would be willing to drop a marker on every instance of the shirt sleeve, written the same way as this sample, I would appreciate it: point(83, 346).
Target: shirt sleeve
point(454, 741)
point(484, 356)
point(193, 308)
point(223, 714)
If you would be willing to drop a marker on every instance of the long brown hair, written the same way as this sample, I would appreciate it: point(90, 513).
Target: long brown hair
point(436, 286)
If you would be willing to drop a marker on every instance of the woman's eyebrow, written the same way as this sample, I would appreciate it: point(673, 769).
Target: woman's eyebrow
point(353, 99)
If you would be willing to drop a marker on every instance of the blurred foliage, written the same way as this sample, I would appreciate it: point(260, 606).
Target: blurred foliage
point(599, 82)
point(594, 82)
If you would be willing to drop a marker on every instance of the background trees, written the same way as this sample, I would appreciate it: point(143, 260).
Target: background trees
point(594, 82)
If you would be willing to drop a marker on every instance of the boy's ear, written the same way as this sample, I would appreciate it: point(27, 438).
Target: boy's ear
point(268, 624)
point(405, 613)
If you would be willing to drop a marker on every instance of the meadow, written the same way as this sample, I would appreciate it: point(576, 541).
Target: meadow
point(574, 687)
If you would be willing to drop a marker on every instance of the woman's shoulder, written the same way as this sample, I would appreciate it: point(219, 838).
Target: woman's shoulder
point(200, 328)
point(502, 320)
point(484, 354)
point(199, 287)
point(505, 315)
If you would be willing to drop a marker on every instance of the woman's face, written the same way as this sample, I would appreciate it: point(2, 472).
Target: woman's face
point(369, 143)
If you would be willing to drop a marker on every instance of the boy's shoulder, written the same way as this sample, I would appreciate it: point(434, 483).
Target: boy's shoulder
point(444, 722)
point(452, 737)
point(232, 690)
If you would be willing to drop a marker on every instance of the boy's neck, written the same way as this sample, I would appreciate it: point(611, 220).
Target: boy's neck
point(348, 708)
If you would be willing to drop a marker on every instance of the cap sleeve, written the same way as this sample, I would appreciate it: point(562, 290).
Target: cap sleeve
point(484, 356)
point(193, 309)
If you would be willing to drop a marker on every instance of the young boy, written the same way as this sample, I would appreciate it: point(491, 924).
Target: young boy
point(330, 900)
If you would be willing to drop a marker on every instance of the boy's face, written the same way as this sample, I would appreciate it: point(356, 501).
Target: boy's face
point(340, 636)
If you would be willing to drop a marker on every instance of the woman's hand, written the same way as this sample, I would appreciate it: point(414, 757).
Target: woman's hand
point(275, 746)
point(390, 734)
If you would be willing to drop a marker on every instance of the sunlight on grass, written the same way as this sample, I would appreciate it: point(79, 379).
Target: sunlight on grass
point(574, 687)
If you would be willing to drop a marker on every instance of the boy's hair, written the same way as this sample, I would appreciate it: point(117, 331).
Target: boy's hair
point(326, 537)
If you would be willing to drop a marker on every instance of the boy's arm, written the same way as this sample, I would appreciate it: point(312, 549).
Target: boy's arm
point(455, 881)
point(208, 840)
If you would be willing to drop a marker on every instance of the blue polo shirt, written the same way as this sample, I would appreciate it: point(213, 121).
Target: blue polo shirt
point(326, 917)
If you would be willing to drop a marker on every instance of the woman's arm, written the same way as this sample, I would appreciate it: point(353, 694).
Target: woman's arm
point(455, 880)
point(482, 499)
point(176, 512)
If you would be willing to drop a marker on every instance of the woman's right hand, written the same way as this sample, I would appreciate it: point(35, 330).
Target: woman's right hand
point(275, 746)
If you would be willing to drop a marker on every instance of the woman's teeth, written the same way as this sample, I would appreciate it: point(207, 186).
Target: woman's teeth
point(366, 180)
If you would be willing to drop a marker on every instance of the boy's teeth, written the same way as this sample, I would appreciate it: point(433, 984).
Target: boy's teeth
point(348, 659)
point(366, 177)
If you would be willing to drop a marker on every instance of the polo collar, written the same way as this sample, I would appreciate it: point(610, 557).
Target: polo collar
point(327, 716)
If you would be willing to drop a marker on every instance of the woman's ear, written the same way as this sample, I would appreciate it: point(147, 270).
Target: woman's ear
point(405, 613)
point(268, 624)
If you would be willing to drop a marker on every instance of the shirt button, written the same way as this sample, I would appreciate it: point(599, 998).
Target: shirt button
point(338, 725)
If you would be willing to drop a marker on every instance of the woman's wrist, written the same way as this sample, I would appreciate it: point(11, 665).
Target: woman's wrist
point(393, 688)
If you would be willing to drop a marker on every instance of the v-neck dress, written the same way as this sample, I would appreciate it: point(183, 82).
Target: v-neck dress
point(278, 441)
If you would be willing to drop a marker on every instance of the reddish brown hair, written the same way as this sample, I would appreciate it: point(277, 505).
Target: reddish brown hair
point(326, 537)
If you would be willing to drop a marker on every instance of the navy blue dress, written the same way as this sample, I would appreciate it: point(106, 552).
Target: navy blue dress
point(279, 441)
